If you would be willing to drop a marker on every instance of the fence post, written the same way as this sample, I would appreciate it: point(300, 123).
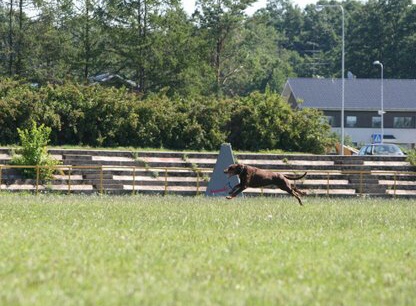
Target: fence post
point(69, 180)
point(197, 182)
point(1, 171)
point(101, 179)
point(361, 183)
point(134, 180)
point(37, 179)
point(166, 181)
point(327, 183)
point(395, 183)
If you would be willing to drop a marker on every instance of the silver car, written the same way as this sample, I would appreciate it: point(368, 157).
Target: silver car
point(381, 149)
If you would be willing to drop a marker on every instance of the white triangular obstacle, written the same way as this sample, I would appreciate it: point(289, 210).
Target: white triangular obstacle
point(220, 184)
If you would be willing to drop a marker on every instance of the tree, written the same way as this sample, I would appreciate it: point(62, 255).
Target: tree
point(13, 25)
point(50, 46)
point(34, 152)
point(141, 40)
point(221, 24)
point(382, 34)
point(87, 35)
point(407, 44)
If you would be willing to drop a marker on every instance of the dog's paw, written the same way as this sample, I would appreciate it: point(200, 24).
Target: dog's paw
point(229, 197)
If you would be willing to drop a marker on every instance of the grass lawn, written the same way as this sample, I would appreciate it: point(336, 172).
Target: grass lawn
point(140, 250)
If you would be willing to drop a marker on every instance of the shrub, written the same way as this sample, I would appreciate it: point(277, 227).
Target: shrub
point(260, 122)
point(267, 122)
point(411, 157)
point(33, 152)
point(111, 117)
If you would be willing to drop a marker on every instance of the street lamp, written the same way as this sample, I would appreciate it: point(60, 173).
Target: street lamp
point(381, 112)
point(319, 8)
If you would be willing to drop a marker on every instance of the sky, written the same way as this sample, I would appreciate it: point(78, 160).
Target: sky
point(190, 4)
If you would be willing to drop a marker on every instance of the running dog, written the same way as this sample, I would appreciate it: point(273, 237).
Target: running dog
point(255, 177)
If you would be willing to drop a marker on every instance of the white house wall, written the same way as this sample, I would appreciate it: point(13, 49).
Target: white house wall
point(360, 136)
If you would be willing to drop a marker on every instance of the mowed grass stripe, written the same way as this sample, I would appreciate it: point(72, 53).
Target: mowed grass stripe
point(143, 250)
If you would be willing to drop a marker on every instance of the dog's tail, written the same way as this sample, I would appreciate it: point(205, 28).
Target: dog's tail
point(294, 177)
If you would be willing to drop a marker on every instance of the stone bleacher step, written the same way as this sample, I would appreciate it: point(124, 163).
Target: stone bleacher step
point(174, 172)
point(76, 157)
point(402, 193)
point(184, 190)
point(398, 187)
point(351, 161)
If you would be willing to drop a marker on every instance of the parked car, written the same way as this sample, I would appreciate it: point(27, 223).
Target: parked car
point(381, 149)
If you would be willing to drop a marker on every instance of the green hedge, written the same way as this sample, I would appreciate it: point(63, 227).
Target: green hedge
point(99, 116)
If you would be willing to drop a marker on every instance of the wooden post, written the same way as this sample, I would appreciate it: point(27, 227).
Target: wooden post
point(327, 184)
point(197, 182)
point(37, 179)
point(101, 179)
point(134, 180)
point(166, 181)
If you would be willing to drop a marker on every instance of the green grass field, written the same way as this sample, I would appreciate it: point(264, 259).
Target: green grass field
point(139, 250)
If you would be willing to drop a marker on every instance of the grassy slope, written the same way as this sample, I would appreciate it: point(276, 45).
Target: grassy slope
point(74, 250)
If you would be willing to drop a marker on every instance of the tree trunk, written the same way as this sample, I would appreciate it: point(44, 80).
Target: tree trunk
point(10, 34)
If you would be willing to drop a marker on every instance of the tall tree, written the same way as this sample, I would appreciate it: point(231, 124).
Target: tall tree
point(221, 22)
point(15, 28)
point(11, 51)
point(148, 41)
point(407, 44)
point(51, 45)
point(378, 36)
point(87, 35)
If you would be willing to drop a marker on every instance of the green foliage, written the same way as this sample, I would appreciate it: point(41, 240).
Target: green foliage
point(310, 133)
point(219, 50)
point(260, 122)
point(110, 117)
point(34, 152)
point(265, 121)
point(411, 157)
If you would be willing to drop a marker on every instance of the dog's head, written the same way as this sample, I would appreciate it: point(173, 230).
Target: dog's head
point(234, 169)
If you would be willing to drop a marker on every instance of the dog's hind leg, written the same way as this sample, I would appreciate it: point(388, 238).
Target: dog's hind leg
point(301, 192)
point(296, 195)
point(293, 192)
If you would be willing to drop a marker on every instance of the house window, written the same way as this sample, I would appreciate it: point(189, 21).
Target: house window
point(331, 120)
point(403, 122)
point(351, 121)
point(376, 122)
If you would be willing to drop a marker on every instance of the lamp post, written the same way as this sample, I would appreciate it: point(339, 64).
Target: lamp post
point(381, 112)
point(319, 8)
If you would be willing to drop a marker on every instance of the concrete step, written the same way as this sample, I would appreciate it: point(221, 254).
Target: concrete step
point(121, 172)
point(76, 157)
point(32, 187)
point(402, 193)
point(398, 187)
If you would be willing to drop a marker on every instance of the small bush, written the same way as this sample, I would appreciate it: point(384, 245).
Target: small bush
point(411, 157)
point(33, 152)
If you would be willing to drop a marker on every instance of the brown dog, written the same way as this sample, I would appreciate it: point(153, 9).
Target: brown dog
point(255, 177)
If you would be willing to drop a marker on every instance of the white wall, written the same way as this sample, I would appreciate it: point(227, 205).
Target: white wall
point(405, 137)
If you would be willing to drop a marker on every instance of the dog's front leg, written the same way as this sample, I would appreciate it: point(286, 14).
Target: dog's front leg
point(232, 191)
point(235, 191)
point(234, 188)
